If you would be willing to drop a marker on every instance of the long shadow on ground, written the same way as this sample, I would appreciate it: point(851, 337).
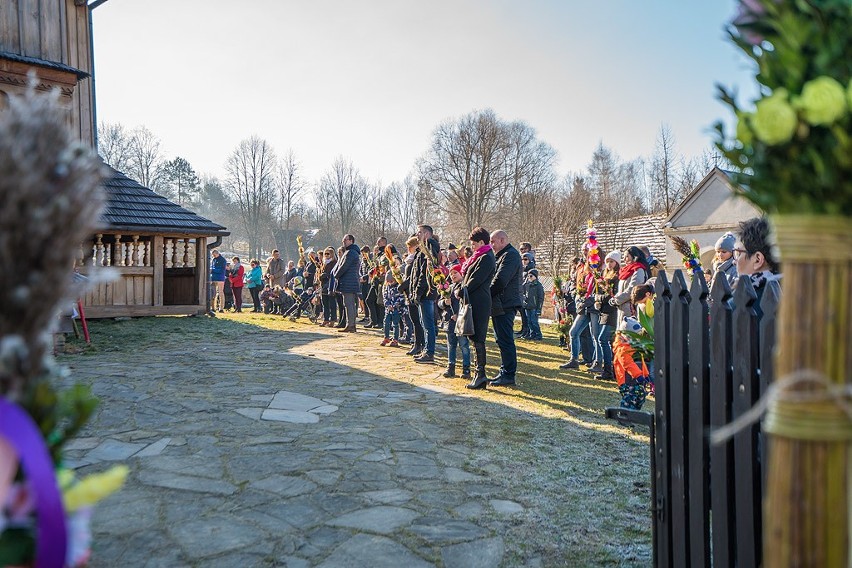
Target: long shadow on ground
point(408, 470)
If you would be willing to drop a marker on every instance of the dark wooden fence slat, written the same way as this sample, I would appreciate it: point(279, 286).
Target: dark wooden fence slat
point(678, 419)
point(698, 474)
point(746, 390)
point(662, 328)
point(721, 455)
point(766, 340)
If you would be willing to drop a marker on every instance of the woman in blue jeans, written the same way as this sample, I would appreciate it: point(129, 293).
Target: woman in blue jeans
point(587, 316)
point(607, 286)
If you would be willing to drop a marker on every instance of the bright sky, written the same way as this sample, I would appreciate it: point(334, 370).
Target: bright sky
point(371, 79)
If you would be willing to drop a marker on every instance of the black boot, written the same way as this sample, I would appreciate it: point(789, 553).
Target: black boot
point(480, 381)
point(416, 349)
point(607, 374)
point(450, 372)
point(465, 372)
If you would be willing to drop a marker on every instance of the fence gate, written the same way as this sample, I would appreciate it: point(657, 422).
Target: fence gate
point(713, 360)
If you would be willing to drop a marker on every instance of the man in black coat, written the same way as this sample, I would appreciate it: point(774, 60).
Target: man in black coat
point(506, 300)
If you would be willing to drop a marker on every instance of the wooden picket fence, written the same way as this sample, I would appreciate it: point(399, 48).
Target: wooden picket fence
point(713, 361)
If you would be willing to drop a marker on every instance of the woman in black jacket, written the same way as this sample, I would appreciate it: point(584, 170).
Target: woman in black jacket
point(478, 271)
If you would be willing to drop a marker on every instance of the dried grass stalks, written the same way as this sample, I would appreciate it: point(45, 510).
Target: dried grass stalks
point(681, 246)
point(50, 201)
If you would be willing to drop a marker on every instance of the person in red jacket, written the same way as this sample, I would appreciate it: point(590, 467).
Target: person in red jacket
point(630, 376)
point(236, 276)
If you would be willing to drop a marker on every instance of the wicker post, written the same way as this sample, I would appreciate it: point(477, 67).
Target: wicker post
point(808, 478)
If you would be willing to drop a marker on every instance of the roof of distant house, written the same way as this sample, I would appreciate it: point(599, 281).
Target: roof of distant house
point(131, 206)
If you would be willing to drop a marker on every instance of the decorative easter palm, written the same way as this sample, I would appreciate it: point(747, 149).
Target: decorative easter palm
point(50, 200)
point(793, 149)
point(690, 252)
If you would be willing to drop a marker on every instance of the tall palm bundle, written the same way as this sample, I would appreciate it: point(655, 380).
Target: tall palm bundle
point(690, 252)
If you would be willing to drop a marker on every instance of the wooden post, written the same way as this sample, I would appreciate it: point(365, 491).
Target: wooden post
point(808, 479)
point(157, 258)
point(201, 272)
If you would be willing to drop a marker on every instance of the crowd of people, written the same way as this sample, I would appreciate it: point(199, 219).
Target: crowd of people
point(413, 292)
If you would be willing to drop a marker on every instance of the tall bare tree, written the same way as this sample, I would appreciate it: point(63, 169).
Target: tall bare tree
point(146, 158)
point(251, 182)
point(662, 172)
point(466, 165)
point(341, 190)
point(291, 186)
point(115, 146)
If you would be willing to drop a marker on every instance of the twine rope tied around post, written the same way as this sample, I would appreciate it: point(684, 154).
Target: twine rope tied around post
point(821, 415)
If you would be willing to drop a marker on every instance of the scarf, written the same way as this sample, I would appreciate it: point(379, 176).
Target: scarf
point(483, 250)
point(627, 271)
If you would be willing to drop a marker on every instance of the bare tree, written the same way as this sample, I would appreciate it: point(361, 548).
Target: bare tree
point(569, 206)
point(147, 158)
point(340, 191)
point(251, 180)
point(290, 187)
point(115, 146)
point(603, 181)
point(466, 165)
point(662, 174)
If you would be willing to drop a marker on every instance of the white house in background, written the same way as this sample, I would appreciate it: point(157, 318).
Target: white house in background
point(711, 209)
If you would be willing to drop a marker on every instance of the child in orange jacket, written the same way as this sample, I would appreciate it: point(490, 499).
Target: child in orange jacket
point(631, 378)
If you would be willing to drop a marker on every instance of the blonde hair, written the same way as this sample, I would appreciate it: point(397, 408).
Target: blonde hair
point(412, 242)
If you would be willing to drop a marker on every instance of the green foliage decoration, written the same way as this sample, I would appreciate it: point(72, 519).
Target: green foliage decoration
point(793, 146)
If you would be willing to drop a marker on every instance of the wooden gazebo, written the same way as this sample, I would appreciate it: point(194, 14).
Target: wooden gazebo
point(158, 249)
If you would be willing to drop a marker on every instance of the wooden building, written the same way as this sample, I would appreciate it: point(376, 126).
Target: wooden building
point(158, 249)
point(710, 210)
point(51, 39)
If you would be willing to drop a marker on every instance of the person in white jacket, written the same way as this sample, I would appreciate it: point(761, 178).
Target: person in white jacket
point(634, 271)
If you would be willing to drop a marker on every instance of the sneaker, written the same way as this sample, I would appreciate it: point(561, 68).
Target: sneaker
point(573, 364)
point(385, 342)
point(425, 358)
point(394, 343)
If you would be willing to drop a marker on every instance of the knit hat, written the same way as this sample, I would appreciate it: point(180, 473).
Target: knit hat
point(533, 272)
point(451, 246)
point(630, 324)
point(726, 242)
point(527, 256)
point(455, 268)
point(614, 255)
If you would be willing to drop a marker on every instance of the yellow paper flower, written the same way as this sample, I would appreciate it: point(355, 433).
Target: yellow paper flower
point(822, 102)
point(93, 488)
point(774, 120)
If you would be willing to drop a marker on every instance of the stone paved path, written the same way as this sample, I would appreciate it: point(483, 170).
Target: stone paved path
point(269, 448)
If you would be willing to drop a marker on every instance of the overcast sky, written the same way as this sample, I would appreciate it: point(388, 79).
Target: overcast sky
point(371, 79)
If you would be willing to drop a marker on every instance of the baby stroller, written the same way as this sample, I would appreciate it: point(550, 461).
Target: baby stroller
point(303, 306)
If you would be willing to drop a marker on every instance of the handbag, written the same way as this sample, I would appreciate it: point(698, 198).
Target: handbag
point(464, 319)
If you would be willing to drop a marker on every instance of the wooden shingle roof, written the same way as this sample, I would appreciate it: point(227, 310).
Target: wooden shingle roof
point(133, 207)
